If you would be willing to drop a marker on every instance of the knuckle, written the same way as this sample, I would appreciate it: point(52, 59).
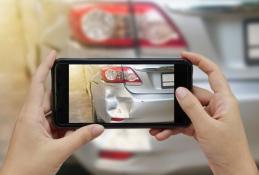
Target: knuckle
point(215, 68)
point(199, 56)
point(214, 65)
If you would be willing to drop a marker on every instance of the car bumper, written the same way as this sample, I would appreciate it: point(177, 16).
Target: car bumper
point(115, 101)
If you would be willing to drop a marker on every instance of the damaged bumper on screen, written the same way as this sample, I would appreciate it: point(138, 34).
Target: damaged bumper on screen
point(114, 103)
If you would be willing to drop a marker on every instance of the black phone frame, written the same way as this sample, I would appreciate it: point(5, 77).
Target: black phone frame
point(183, 71)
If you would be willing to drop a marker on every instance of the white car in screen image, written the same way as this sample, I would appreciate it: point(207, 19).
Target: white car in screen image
point(133, 94)
point(224, 31)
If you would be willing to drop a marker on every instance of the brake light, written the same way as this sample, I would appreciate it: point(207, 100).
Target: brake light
point(117, 119)
point(115, 155)
point(119, 74)
point(111, 24)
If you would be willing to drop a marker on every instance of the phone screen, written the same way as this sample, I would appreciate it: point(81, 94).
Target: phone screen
point(117, 93)
point(121, 93)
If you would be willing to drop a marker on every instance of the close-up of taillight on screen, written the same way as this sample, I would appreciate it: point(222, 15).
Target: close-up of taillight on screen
point(118, 74)
point(124, 25)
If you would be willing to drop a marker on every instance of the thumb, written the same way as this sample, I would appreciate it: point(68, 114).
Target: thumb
point(76, 139)
point(192, 107)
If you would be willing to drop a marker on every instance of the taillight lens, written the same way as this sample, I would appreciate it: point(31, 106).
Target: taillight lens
point(120, 74)
point(117, 119)
point(115, 155)
point(111, 24)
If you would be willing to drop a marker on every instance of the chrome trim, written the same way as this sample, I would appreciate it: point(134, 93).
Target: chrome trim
point(156, 69)
point(213, 7)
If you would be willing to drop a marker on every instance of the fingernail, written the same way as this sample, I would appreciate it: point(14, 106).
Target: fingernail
point(97, 130)
point(181, 92)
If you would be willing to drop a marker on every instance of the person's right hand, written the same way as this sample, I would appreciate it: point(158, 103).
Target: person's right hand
point(216, 122)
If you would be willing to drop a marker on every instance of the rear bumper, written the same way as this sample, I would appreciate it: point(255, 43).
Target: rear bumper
point(182, 153)
point(115, 101)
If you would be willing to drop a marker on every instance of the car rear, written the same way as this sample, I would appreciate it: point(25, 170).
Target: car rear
point(134, 93)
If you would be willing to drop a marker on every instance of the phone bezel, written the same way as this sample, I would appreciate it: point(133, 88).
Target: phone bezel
point(183, 71)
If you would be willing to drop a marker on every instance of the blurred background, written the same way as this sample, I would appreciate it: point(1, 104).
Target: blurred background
point(226, 31)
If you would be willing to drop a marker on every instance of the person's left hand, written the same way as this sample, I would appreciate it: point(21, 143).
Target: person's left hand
point(36, 146)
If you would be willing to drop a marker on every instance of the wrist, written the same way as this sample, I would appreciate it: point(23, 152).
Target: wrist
point(5, 170)
point(239, 166)
point(15, 169)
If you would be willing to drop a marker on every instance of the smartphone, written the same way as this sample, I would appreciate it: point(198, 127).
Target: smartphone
point(119, 93)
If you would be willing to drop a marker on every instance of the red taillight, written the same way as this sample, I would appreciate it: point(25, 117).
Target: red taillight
point(111, 24)
point(115, 155)
point(119, 74)
point(117, 119)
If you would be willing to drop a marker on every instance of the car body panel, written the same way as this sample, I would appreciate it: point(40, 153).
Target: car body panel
point(151, 79)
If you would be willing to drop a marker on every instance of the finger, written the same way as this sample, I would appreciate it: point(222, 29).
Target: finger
point(202, 95)
point(36, 93)
point(217, 80)
point(155, 131)
point(42, 72)
point(47, 102)
point(192, 107)
point(46, 125)
point(165, 134)
point(189, 131)
point(78, 138)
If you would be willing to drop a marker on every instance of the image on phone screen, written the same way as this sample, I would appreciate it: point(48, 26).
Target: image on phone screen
point(121, 93)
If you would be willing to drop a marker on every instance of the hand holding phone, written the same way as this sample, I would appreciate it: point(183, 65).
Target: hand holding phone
point(35, 140)
point(216, 121)
point(129, 93)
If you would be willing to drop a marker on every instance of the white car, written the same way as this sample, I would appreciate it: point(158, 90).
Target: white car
point(133, 93)
point(225, 31)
